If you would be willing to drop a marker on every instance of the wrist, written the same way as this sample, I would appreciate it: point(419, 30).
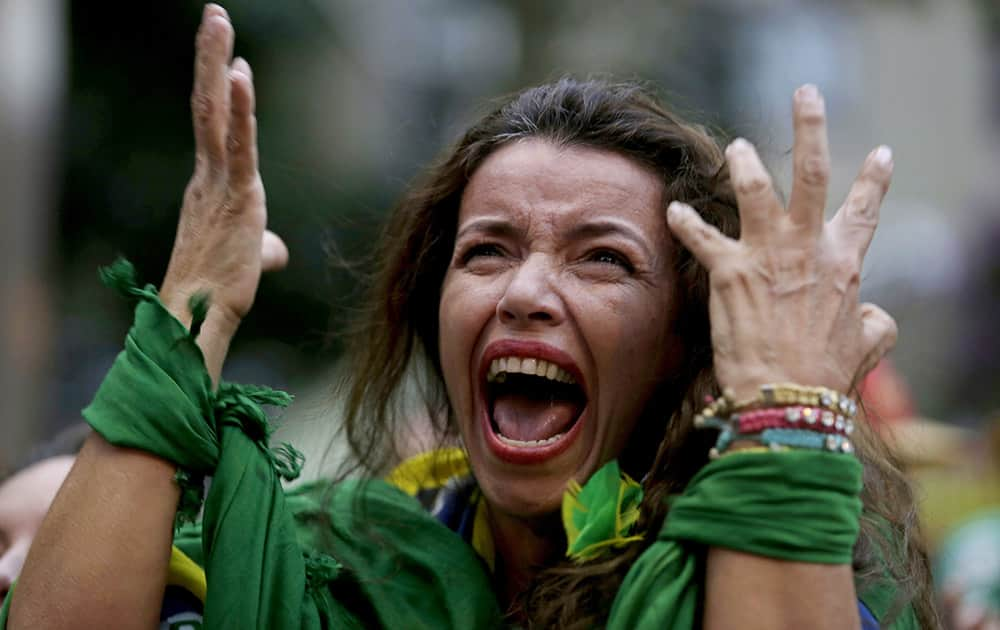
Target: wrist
point(214, 337)
point(214, 334)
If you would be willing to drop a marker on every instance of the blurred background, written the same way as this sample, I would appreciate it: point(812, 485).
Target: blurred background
point(354, 95)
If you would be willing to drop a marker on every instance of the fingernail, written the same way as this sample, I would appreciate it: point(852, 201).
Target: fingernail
point(739, 144)
point(882, 156)
point(808, 91)
point(677, 209)
point(215, 9)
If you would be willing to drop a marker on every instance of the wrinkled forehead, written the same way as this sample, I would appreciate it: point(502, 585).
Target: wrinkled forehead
point(536, 180)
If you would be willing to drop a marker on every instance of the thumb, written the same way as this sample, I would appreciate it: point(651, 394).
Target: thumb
point(878, 336)
point(273, 252)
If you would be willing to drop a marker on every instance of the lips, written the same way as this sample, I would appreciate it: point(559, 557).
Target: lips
point(533, 400)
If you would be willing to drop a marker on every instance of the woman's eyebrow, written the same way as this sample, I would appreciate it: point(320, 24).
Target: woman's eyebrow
point(494, 227)
point(606, 227)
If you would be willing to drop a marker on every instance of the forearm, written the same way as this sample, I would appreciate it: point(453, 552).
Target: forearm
point(750, 591)
point(99, 559)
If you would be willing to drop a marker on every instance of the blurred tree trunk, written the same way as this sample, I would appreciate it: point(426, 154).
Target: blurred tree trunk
point(32, 62)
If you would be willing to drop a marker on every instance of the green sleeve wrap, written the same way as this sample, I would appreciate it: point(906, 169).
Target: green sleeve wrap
point(158, 397)
point(801, 506)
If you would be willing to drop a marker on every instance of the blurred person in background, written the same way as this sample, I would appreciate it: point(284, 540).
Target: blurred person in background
point(958, 473)
point(962, 504)
point(25, 497)
point(967, 570)
point(563, 318)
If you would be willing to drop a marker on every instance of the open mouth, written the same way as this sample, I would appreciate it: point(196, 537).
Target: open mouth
point(533, 406)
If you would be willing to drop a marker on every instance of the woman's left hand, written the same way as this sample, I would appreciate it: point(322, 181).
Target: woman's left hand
point(784, 301)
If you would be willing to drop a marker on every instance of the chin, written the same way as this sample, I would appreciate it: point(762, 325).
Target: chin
point(534, 500)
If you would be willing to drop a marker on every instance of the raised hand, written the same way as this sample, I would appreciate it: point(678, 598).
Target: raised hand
point(222, 244)
point(784, 297)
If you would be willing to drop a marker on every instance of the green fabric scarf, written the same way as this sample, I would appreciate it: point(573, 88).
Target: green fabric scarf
point(799, 505)
point(363, 553)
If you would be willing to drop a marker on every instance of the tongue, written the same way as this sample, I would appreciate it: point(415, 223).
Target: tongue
point(526, 418)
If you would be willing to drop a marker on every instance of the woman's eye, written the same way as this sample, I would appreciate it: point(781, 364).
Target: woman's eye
point(482, 249)
point(608, 257)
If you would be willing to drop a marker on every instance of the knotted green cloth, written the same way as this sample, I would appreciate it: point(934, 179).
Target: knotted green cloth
point(265, 560)
point(797, 505)
point(364, 554)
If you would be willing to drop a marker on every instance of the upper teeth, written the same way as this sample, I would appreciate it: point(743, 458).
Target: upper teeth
point(500, 368)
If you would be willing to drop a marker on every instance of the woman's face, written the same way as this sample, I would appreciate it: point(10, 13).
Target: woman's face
point(24, 500)
point(556, 317)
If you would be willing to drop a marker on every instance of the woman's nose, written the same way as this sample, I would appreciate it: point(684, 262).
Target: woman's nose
point(530, 297)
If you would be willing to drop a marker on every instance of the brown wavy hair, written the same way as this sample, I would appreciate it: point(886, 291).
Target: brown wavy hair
point(395, 336)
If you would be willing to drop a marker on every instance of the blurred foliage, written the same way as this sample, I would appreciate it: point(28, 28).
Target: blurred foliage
point(990, 10)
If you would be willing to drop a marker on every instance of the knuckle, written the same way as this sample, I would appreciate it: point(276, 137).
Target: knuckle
point(814, 170)
point(230, 206)
point(847, 269)
point(203, 108)
point(243, 187)
point(812, 115)
point(195, 190)
point(211, 170)
point(233, 143)
point(725, 277)
point(752, 185)
point(704, 232)
point(193, 195)
point(861, 209)
point(877, 180)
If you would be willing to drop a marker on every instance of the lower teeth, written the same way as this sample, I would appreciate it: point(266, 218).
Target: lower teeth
point(523, 443)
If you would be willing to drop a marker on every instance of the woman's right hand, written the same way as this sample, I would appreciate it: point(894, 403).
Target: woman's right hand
point(222, 244)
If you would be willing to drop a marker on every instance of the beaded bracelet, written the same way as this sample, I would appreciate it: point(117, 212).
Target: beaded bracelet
point(726, 437)
point(782, 440)
point(791, 394)
point(758, 449)
point(812, 418)
point(800, 438)
point(782, 395)
point(782, 416)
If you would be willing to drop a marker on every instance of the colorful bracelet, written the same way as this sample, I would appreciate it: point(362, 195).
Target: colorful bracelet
point(790, 394)
point(783, 395)
point(813, 418)
point(783, 416)
point(800, 438)
point(758, 449)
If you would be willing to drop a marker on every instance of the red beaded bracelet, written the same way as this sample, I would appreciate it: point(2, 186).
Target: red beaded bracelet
point(796, 417)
